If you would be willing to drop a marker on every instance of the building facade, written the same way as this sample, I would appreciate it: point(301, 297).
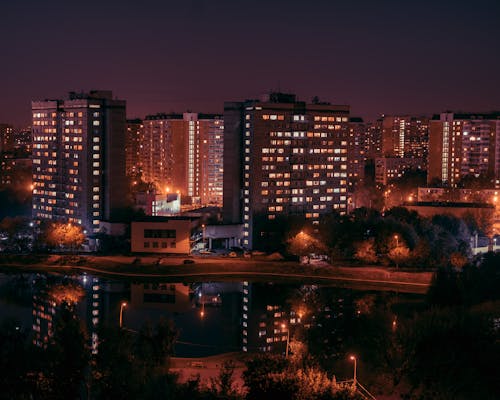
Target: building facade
point(283, 156)
point(133, 147)
point(390, 168)
point(464, 145)
point(405, 136)
point(79, 158)
point(162, 235)
point(183, 153)
point(6, 138)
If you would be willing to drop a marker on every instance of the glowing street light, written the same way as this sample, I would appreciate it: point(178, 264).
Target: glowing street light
point(122, 306)
point(283, 326)
point(203, 236)
point(397, 246)
point(353, 358)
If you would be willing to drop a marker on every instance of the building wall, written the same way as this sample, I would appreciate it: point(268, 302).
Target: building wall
point(478, 211)
point(233, 173)
point(133, 150)
point(178, 243)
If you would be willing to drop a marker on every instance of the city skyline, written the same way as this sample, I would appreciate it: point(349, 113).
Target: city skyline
point(379, 58)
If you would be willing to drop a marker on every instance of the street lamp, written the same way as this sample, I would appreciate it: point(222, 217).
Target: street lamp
point(283, 326)
point(122, 306)
point(203, 236)
point(353, 358)
point(397, 246)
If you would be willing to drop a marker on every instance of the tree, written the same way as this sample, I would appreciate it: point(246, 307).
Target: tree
point(65, 236)
point(222, 387)
point(365, 251)
point(304, 244)
point(451, 354)
point(66, 356)
point(17, 232)
point(255, 375)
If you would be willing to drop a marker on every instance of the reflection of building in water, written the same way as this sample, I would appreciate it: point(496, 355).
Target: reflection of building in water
point(48, 295)
point(91, 307)
point(44, 312)
point(266, 319)
point(173, 297)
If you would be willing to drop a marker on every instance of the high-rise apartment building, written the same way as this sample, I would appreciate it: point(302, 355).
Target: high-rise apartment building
point(405, 137)
point(79, 158)
point(184, 153)
point(373, 140)
point(464, 145)
point(133, 149)
point(283, 156)
point(6, 138)
point(356, 149)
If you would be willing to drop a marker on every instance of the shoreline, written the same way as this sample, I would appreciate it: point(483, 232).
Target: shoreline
point(172, 268)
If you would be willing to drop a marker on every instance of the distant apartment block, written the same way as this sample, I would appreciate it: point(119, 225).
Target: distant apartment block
point(356, 150)
point(15, 172)
point(373, 140)
point(133, 147)
point(405, 137)
point(283, 156)
point(389, 168)
point(79, 158)
point(6, 138)
point(464, 145)
point(23, 140)
point(184, 153)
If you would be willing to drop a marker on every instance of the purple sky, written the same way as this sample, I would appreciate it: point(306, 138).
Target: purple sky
point(161, 56)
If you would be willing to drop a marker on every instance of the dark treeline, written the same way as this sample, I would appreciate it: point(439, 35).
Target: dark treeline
point(396, 237)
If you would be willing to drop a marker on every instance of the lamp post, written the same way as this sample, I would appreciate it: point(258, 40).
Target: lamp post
point(122, 306)
point(283, 326)
point(353, 358)
point(397, 246)
point(203, 236)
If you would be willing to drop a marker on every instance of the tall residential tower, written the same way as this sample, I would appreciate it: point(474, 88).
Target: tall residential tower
point(79, 158)
point(183, 153)
point(283, 156)
point(464, 145)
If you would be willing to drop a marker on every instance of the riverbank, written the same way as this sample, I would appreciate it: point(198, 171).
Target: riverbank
point(175, 268)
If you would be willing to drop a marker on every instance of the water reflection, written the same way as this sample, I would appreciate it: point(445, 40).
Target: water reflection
point(211, 317)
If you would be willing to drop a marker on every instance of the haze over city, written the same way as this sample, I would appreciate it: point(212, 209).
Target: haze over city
point(379, 57)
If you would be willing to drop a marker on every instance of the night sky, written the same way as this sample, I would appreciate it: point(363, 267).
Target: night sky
point(162, 56)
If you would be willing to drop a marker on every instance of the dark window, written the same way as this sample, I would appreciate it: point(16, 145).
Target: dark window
point(146, 245)
point(163, 245)
point(155, 245)
point(160, 233)
point(172, 245)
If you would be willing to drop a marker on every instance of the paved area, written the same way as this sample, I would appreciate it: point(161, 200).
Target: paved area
point(208, 367)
